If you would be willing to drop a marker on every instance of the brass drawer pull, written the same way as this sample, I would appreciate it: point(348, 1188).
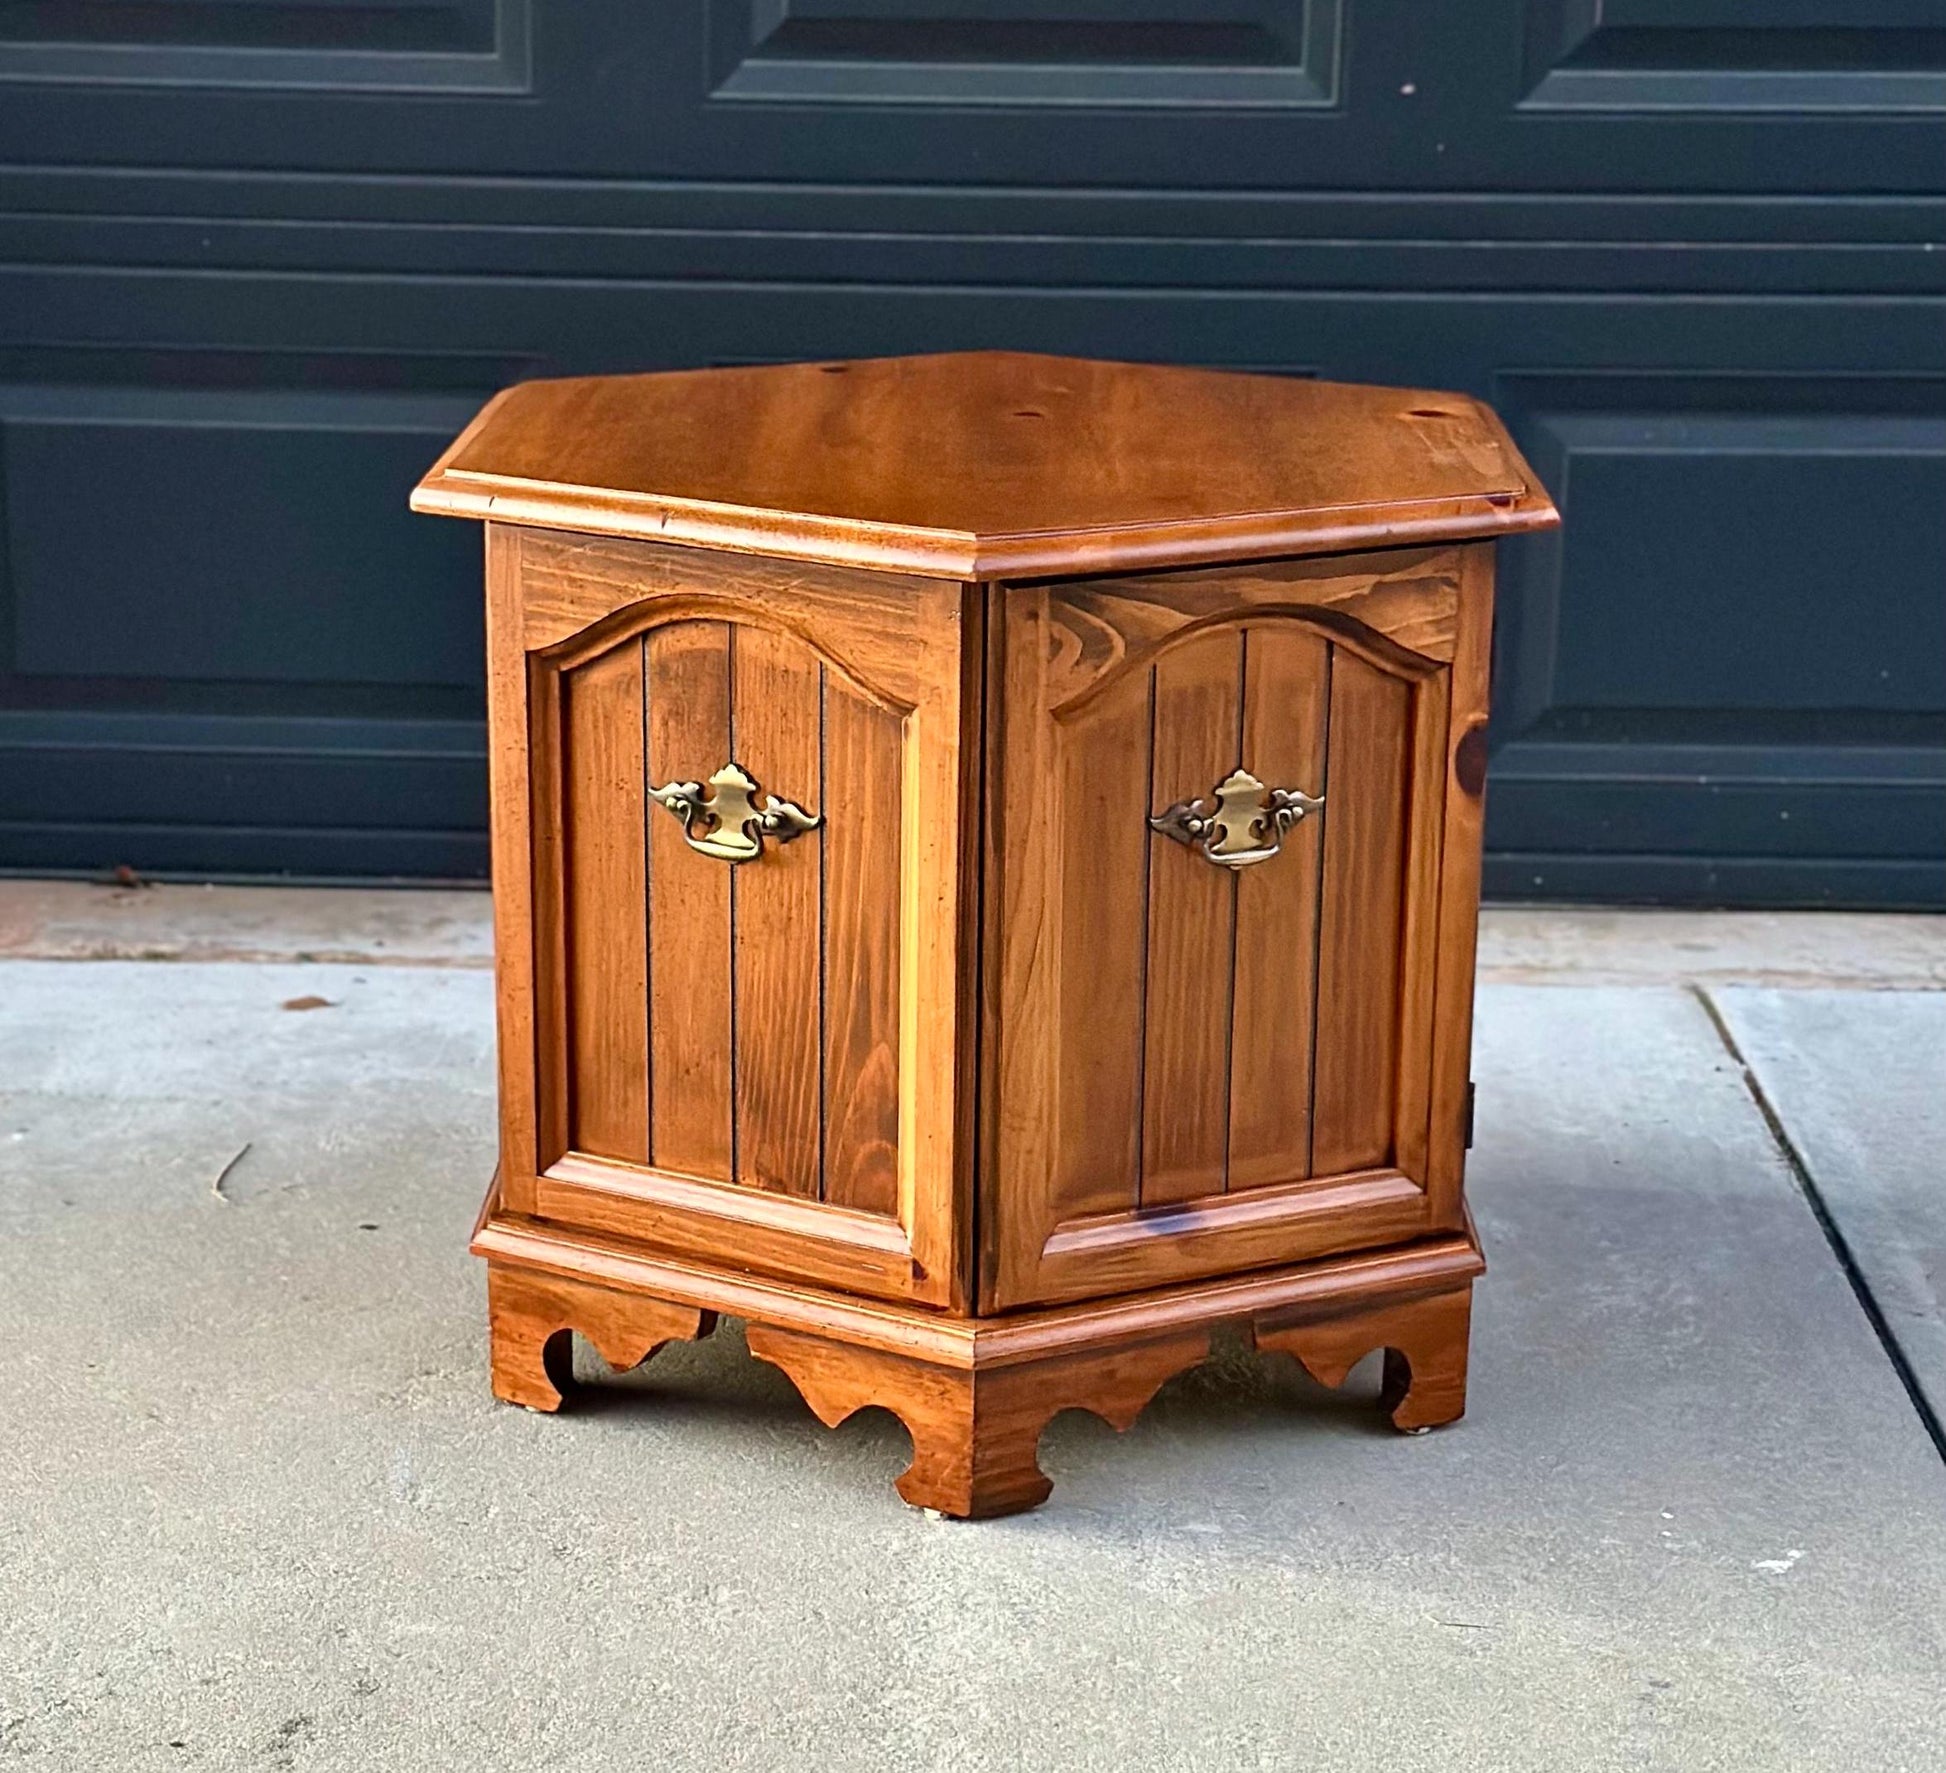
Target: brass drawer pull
point(729, 825)
point(1245, 823)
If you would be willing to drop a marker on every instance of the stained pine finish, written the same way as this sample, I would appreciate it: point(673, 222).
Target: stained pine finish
point(989, 464)
point(692, 1047)
point(799, 1027)
point(862, 794)
point(1093, 834)
point(1198, 711)
point(1274, 1014)
point(1463, 795)
point(1254, 1029)
point(607, 935)
point(1356, 1082)
point(777, 916)
point(985, 1096)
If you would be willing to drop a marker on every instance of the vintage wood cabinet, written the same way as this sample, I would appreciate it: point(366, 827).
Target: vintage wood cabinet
point(986, 856)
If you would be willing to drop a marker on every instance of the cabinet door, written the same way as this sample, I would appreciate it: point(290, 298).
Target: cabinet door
point(747, 800)
point(1215, 1025)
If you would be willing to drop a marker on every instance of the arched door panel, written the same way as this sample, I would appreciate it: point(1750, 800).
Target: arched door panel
point(727, 1049)
point(1214, 1031)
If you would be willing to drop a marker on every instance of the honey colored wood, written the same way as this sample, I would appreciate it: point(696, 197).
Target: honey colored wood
point(607, 937)
point(1400, 607)
point(1449, 1111)
point(990, 464)
point(692, 1050)
point(765, 1073)
point(1366, 793)
point(768, 1231)
point(976, 1394)
point(517, 919)
point(777, 920)
point(1074, 827)
point(862, 796)
point(1288, 1035)
point(1196, 713)
point(531, 1318)
point(579, 591)
point(975, 1433)
point(981, 1099)
point(1340, 1284)
point(1424, 831)
point(1287, 700)
point(1425, 1340)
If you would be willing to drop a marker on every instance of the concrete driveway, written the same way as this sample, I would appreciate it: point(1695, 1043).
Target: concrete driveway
point(258, 1510)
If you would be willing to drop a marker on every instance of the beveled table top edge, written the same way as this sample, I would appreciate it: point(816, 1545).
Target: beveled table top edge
point(953, 554)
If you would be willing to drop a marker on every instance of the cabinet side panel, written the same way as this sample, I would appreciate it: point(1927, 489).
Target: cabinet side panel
point(1285, 708)
point(775, 913)
point(1191, 929)
point(862, 796)
point(691, 1124)
point(1359, 941)
point(1459, 894)
point(607, 943)
point(514, 932)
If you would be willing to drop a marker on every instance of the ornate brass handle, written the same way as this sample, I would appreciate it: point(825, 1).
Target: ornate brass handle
point(729, 824)
point(1244, 823)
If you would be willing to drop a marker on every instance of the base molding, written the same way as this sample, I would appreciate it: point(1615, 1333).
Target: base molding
point(976, 1393)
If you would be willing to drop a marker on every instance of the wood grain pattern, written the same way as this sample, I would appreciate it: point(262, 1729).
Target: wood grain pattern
point(1399, 607)
point(1356, 1087)
point(1191, 931)
point(1286, 704)
point(509, 786)
point(1158, 1246)
point(950, 1471)
point(990, 464)
point(1351, 1282)
point(1092, 804)
point(975, 1433)
point(607, 936)
point(531, 1319)
point(1459, 892)
point(777, 915)
point(1425, 1341)
point(938, 926)
point(546, 793)
point(1233, 1083)
point(770, 1233)
point(691, 1038)
point(901, 663)
point(976, 1394)
point(1196, 1096)
point(863, 790)
point(578, 591)
point(1424, 825)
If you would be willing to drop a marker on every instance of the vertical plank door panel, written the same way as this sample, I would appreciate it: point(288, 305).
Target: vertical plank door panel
point(775, 719)
point(862, 832)
point(690, 1034)
point(1358, 943)
point(1099, 849)
point(1191, 930)
point(1285, 705)
point(607, 945)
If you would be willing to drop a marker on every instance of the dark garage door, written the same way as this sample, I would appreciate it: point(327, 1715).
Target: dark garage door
point(258, 259)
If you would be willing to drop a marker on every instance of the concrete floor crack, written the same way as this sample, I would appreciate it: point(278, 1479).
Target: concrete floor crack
point(1808, 1186)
